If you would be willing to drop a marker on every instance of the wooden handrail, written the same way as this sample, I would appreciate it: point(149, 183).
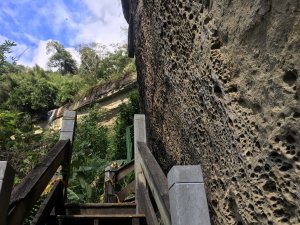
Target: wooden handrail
point(7, 175)
point(156, 181)
point(184, 187)
point(25, 195)
point(124, 170)
point(31, 187)
point(53, 199)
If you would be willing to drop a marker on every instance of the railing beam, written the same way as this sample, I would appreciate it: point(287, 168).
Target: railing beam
point(7, 175)
point(156, 181)
point(188, 202)
point(139, 136)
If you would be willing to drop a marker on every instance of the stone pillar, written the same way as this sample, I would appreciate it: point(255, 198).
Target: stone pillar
point(188, 203)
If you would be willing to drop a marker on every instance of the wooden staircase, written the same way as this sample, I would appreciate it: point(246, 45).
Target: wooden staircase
point(151, 205)
point(97, 214)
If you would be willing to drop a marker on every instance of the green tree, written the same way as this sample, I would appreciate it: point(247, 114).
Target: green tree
point(61, 58)
point(68, 89)
point(5, 48)
point(114, 62)
point(91, 56)
point(33, 95)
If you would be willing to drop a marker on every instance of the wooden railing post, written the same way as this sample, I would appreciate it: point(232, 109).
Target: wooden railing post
point(109, 185)
point(67, 132)
point(188, 202)
point(7, 175)
point(139, 136)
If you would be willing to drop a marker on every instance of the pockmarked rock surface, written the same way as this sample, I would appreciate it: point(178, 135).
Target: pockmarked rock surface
point(220, 87)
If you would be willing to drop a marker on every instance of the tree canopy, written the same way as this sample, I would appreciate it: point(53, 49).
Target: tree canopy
point(61, 59)
point(5, 48)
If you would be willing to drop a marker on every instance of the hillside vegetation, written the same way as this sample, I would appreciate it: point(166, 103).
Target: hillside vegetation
point(27, 94)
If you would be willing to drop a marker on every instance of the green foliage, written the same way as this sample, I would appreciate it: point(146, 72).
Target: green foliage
point(90, 60)
point(61, 59)
point(67, 91)
point(20, 144)
point(32, 95)
point(89, 158)
point(124, 120)
point(5, 48)
point(115, 62)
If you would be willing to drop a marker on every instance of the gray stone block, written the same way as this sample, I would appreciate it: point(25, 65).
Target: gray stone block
point(188, 203)
point(185, 174)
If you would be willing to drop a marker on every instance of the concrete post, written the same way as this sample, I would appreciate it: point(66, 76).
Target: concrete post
point(188, 203)
point(67, 132)
point(7, 175)
point(68, 125)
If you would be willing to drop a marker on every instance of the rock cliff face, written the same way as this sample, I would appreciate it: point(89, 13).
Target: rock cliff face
point(220, 87)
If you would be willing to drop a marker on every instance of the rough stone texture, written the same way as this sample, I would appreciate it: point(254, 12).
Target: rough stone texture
point(220, 86)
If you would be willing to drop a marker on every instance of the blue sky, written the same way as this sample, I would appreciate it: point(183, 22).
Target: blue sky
point(32, 23)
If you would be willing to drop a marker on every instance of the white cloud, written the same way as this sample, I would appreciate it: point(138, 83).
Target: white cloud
point(103, 25)
point(2, 38)
point(75, 55)
point(40, 56)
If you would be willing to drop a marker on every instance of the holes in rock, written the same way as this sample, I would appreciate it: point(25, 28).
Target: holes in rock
point(290, 139)
point(216, 45)
point(232, 88)
point(214, 203)
point(218, 90)
point(270, 186)
point(285, 167)
point(278, 213)
point(257, 144)
point(267, 167)
point(206, 21)
point(257, 169)
point(290, 77)
point(296, 115)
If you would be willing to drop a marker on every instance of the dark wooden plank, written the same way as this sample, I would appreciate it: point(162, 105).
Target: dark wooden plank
point(47, 206)
point(139, 135)
point(129, 189)
point(157, 182)
point(29, 190)
point(124, 170)
point(96, 208)
point(7, 175)
point(145, 204)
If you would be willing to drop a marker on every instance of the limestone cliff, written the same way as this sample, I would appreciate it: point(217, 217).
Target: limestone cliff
point(220, 86)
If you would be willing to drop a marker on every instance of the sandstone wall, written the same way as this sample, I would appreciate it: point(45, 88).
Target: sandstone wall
point(220, 87)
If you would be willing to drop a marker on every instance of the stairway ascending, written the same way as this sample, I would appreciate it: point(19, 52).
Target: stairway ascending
point(97, 214)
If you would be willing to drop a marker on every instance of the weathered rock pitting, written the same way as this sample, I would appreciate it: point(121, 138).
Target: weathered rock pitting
point(219, 82)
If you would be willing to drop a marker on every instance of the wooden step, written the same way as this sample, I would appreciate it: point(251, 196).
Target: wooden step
point(113, 219)
point(100, 209)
